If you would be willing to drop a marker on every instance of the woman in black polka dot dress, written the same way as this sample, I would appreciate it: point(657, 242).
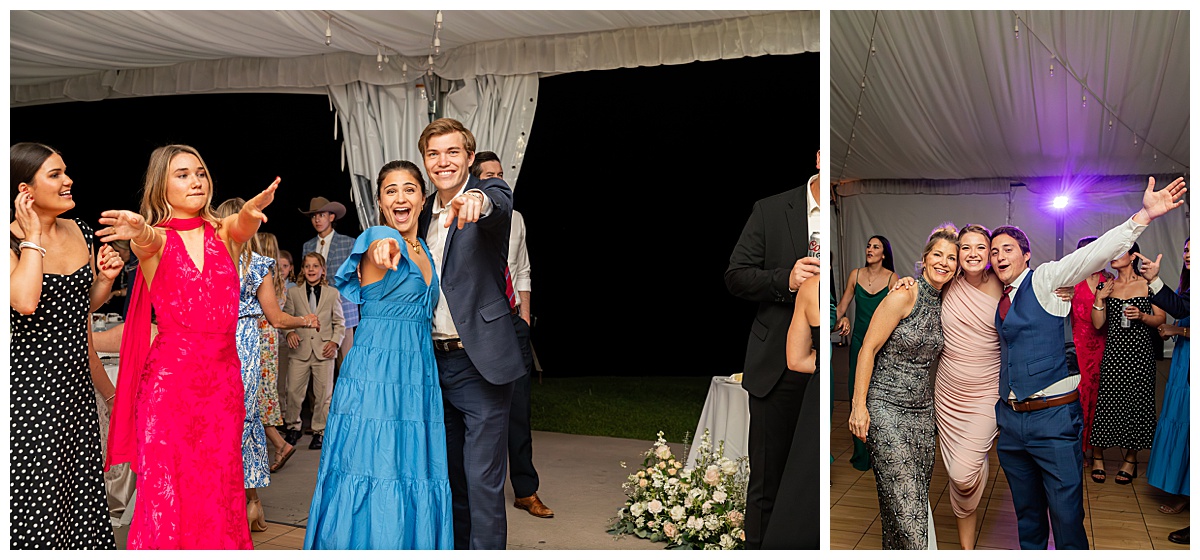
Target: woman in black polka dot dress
point(57, 498)
point(1125, 414)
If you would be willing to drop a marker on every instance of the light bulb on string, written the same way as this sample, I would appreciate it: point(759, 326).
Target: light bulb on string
point(1135, 139)
point(437, 45)
point(1051, 69)
point(328, 31)
point(872, 50)
point(1016, 30)
point(1110, 124)
point(437, 19)
point(1085, 102)
point(379, 58)
point(404, 71)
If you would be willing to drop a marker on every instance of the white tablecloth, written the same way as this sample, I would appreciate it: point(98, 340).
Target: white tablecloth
point(726, 415)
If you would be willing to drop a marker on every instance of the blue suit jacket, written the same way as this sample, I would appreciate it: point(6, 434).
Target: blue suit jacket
point(472, 278)
point(1031, 345)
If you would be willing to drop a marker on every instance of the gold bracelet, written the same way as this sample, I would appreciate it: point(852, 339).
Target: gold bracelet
point(153, 237)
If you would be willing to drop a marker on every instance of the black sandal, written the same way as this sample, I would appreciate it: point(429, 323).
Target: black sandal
point(1098, 475)
point(1128, 478)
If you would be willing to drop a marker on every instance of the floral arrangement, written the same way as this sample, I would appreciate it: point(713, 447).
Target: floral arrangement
point(687, 508)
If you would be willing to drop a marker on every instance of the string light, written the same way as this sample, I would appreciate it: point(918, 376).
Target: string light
point(404, 71)
point(328, 31)
point(1085, 102)
point(1110, 124)
point(1016, 30)
point(438, 19)
point(1051, 69)
point(379, 57)
point(437, 45)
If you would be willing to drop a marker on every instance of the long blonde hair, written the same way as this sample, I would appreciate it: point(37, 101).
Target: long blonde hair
point(155, 207)
point(270, 248)
point(227, 209)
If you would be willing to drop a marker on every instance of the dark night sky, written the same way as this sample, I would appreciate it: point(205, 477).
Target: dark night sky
point(635, 186)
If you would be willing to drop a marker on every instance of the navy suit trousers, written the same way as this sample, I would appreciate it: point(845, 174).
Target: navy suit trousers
point(476, 414)
point(1041, 457)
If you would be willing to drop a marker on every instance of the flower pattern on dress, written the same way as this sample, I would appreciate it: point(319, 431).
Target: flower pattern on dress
point(256, 467)
point(189, 408)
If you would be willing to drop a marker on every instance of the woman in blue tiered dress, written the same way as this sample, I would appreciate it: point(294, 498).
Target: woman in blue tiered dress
point(1170, 466)
point(383, 481)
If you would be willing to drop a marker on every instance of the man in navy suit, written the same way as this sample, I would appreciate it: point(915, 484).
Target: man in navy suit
point(466, 223)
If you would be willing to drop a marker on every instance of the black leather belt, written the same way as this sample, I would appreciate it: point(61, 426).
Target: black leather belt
point(1042, 403)
point(448, 345)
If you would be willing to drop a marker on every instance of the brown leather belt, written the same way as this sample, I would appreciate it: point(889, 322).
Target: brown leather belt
point(1040, 403)
point(448, 345)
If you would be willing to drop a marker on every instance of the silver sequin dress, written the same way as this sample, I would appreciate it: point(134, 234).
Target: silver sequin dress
point(902, 434)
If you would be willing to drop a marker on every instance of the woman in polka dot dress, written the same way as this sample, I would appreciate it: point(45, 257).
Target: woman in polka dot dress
point(1125, 414)
point(57, 498)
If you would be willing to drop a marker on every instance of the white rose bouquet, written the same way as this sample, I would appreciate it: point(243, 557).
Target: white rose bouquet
point(686, 508)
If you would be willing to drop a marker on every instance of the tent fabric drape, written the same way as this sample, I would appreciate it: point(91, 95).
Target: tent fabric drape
point(955, 94)
point(383, 123)
point(284, 62)
point(380, 124)
point(498, 110)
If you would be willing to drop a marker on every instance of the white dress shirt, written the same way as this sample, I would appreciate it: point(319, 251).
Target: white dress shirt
point(1071, 270)
point(814, 207)
point(435, 238)
point(323, 248)
point(518, 257)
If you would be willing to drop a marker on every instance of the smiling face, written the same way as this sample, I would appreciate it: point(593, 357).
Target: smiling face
point(400, 201)
point(447, 163)
point(51, 187)
point(1008, 261)
point(313, 271)
point(188, 188)
point(973, 252)
point(941, 262)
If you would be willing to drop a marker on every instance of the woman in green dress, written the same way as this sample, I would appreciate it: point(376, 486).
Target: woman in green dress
point(867, 286)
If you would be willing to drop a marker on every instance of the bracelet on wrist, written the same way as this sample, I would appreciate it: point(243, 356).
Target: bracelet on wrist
point(31, 245)
point(1098, 307)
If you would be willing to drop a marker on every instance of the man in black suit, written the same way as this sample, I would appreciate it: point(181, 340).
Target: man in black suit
point(465, 223)
point(767, 266)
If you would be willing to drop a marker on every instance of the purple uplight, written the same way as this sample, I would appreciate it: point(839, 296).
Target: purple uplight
point(1060, 202)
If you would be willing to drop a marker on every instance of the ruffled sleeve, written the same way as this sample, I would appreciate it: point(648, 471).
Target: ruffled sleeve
point(346, 280)
point(259, 267)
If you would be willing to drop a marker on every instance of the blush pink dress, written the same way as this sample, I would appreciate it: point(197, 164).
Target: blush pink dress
point(1089, 349)
point(964, 394)
point(181, 414)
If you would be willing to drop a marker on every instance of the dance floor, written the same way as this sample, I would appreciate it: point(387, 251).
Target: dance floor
point(581, 480)
point(1116, 517)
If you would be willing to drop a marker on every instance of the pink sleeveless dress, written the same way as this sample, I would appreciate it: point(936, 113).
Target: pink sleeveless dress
point(186, 405)
point(964, 394)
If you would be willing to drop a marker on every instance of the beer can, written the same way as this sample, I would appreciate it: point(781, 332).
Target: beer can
point(814, 245)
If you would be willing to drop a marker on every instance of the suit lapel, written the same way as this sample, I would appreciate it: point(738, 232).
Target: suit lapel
point(797, 220)
point(472, 181)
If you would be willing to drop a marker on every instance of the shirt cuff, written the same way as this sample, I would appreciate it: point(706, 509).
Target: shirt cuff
point(1156, 285)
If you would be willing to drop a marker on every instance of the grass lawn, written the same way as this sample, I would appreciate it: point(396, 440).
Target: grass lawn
point(625, 407)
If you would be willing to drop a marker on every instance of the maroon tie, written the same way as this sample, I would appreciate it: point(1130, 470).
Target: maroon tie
point(508, 289)
point(1005, 303)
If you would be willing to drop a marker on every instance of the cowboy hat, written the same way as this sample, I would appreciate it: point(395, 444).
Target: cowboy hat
point(321, 204)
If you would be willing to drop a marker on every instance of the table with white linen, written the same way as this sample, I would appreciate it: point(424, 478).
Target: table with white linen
point(726, 416)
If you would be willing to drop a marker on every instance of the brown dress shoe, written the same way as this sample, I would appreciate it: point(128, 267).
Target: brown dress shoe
point(534, 506)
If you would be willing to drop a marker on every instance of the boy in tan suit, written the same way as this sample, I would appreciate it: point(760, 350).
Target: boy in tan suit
point(312, 350)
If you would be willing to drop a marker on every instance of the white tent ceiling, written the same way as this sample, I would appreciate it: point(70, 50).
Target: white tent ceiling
point(960, 95)
point(66, 55)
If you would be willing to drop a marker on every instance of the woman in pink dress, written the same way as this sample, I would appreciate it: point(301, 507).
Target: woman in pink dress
point(1089, 348)
point(178, 413)
point(964, 394)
